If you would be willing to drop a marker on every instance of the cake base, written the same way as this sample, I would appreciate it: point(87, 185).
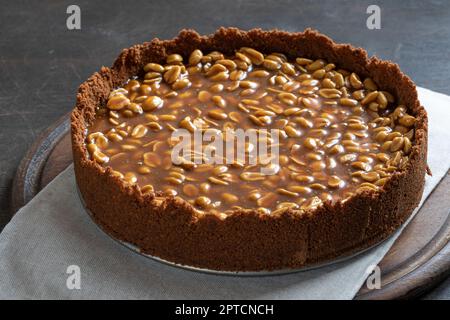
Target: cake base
point(275, 272)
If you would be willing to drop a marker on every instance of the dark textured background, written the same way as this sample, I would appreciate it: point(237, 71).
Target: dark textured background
point(42, 63)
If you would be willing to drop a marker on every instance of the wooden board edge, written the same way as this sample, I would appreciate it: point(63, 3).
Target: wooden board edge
point(34, 160)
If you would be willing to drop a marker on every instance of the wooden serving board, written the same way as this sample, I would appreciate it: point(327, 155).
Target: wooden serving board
point(419, 259)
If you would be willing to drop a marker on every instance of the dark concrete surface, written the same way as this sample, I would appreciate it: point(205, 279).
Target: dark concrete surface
point(42, 62)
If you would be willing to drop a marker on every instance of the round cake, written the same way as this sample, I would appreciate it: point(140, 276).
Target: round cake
point(249, 151)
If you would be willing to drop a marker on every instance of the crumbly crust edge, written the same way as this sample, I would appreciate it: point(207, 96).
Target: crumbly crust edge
point(247, 240)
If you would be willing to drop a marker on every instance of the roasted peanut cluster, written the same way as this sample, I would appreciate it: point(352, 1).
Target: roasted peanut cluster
point(337, 134)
